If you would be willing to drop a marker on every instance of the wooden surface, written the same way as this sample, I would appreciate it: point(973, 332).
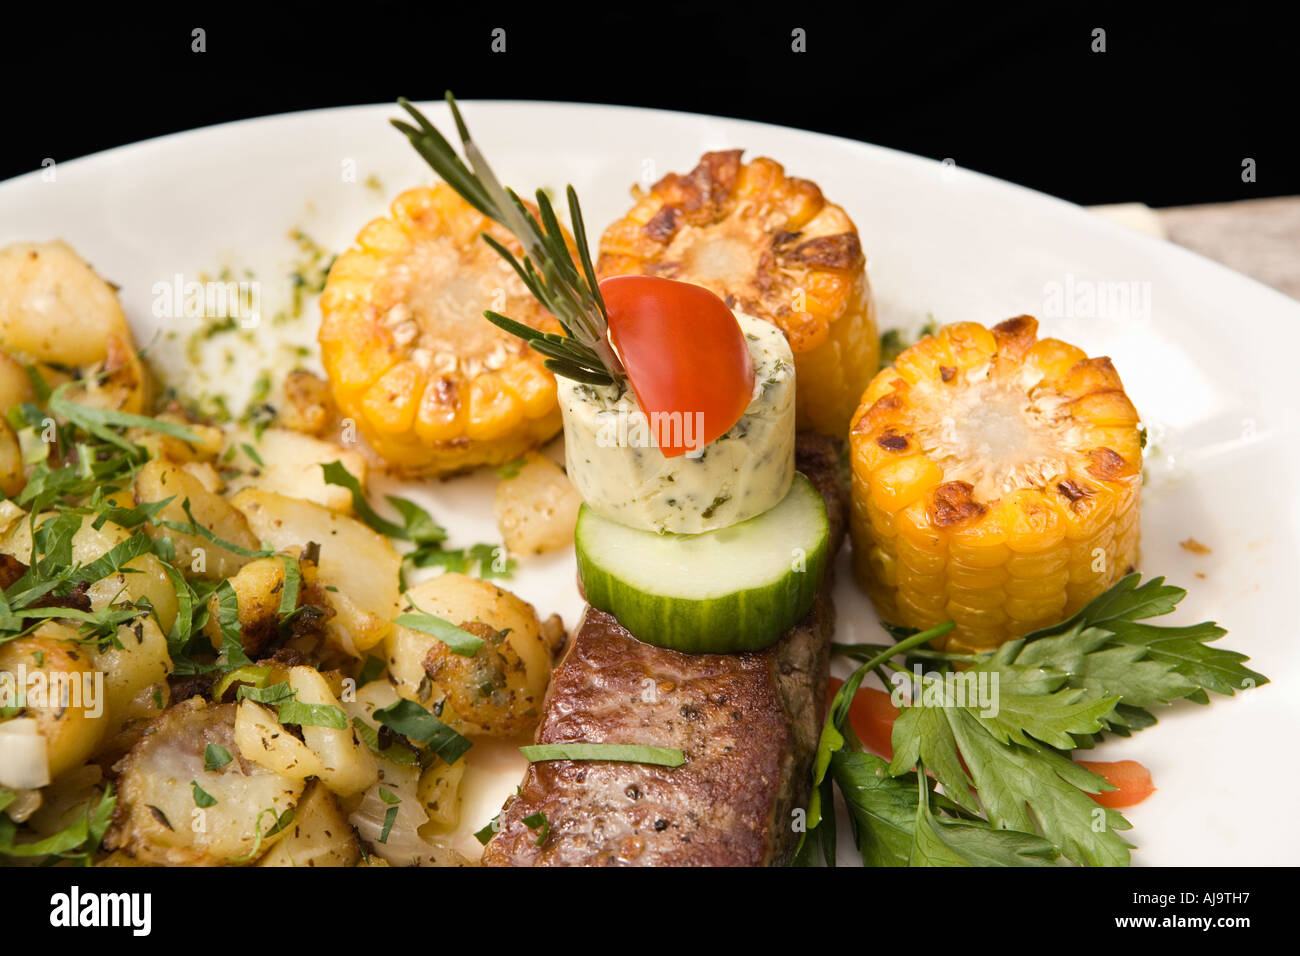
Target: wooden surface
point(1259, 237)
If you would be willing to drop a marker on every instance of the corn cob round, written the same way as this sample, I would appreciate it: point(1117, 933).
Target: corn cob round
point(434, 386)
point(996, 483)
point(773, 247)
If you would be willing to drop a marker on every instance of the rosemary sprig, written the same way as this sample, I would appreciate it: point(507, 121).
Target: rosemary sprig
point(583, 353)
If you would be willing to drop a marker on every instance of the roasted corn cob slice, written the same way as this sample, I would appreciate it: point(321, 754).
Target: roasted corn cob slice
point(771, 246)
point(433, 385)
point(996, 483)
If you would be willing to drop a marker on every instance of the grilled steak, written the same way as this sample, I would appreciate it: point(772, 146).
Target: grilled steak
point(747, 723)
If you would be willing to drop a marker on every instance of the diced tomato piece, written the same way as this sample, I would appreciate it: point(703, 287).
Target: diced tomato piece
point(687, 360)
point(1131, 780)
point(872, 717)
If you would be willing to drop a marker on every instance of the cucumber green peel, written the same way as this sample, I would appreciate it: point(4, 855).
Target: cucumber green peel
point(733, 589)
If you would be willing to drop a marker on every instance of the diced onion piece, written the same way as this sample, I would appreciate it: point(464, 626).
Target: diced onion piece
point(24, 764)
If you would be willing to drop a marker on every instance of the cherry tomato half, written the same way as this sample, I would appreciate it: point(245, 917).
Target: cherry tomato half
point(872, 717)
point(685, 356)
point(1131, 780)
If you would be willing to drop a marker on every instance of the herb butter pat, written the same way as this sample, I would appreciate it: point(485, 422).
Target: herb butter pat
point(616, 467)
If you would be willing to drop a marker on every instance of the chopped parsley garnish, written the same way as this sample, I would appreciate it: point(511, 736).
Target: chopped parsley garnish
point(215, 757)
point(370, 670)
point(399, 751)
point(290, 710)
point(312, 715)
point(511, 468)
point(894, 342)
point(426, 536)
point(76, 843)
point(457, 639)
point(412, 721)
point(537, 821)
point(252, 454)
point(622, 753)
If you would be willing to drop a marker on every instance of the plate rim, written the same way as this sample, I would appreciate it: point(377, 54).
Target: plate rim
point(1152, 244)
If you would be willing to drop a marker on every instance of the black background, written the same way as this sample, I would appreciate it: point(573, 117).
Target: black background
point(1165, 116)
point(346, 911)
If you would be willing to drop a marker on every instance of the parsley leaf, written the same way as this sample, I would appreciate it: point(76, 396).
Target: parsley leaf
point(390, 815)
point(996, 735)
point(373, 667)
point(537, 821)
point(336, 473)
point(101, 422)
point(312, 715)
point(399, 752)
point(622, 753)
point(78, 841)
point(511, 468)
point(232, 642)
point(215, 757)
point(417, 526)
point(457, 639)
point(415, 723)
point(945, 841)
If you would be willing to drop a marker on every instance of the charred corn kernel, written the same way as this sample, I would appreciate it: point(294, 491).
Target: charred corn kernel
point(771, 246)
point(432, 385)
point(996, 483)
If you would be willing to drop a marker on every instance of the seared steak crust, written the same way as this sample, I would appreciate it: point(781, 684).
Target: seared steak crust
point(747, 723)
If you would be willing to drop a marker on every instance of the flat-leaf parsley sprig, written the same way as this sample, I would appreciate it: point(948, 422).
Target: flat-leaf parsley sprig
point(1011, 794)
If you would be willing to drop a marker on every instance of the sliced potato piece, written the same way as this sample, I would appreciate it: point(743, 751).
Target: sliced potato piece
point(54, 308)
point(398, 789)
point(319, 835)
point(537, 508)
point(290, 464)
point(142, 578)
point(12, 477)
point(157, 820)
point(159, 480)
point(439, 791)
point(258, 586)
point(118, 382)
point(62, 693)
point(15, 386)
point(347, 765)
point(10, 515)
point(24, 765)
point(499, 690)
point(262, 739)
point(67, 799)
point(135, 674)
point(359, 564)
point(207, 475)
point(307, 406)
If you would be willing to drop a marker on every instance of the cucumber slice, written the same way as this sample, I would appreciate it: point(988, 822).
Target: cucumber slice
point(733, 589)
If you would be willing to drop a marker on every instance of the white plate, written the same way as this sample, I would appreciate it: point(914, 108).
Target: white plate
point(1211, 364)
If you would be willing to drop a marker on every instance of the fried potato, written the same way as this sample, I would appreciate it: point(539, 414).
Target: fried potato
point(537, 508)
point(158, 820)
